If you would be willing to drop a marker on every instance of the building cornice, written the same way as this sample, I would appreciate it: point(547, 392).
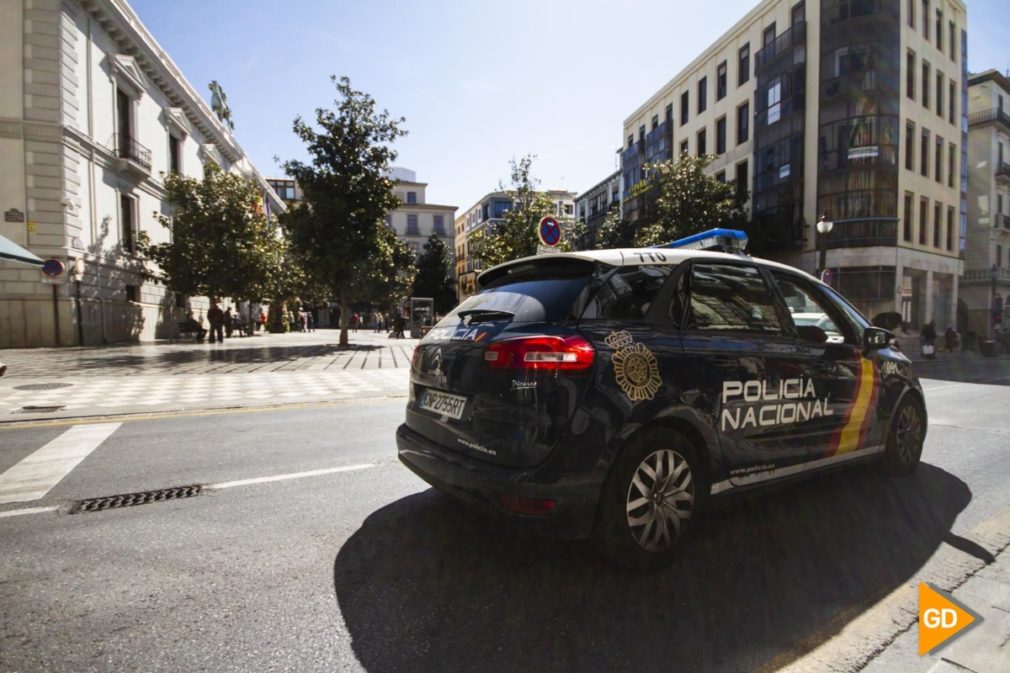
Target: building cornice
point(403, 207)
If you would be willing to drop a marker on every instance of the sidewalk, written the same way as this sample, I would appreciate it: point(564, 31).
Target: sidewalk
point(264, 369)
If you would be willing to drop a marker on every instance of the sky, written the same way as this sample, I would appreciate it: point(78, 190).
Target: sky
point(478, 82)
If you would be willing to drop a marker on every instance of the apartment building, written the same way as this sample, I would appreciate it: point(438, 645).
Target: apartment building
point(415, 219)
point(985, 286)
point(592, 206)
point(850, 109)
point(94, 114)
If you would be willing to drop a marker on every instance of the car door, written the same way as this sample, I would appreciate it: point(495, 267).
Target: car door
point(744, 365)
point(842, 376)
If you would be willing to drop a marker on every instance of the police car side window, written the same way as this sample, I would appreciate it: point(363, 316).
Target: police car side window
point(627, 294)
point(730, 298)
point(806, 307)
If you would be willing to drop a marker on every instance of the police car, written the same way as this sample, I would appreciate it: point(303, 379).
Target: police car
point(612, 393)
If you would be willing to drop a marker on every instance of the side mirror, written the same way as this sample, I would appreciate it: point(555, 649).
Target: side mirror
point(876, 337)
point(812, 334)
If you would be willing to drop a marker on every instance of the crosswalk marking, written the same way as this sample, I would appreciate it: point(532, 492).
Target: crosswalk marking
point(38, 473)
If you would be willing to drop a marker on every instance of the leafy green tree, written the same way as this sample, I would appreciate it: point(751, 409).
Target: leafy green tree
point(613, 232)
point(516, 235)
point(688, 201)
point(338, 227)
point(223, 244)
point(434, 275)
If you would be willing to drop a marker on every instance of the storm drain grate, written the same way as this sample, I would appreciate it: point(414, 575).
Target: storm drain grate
point(131, 499)
point(38, 409)
point(43, 386)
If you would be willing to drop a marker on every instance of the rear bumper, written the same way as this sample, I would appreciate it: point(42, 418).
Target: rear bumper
point(478, 484)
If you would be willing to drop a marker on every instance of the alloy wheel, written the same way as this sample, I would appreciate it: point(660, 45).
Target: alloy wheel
point(908, 434)
point(660, 500)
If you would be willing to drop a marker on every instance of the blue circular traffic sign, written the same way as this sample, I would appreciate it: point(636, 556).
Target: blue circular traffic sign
point(549, 231)
point(53, 267)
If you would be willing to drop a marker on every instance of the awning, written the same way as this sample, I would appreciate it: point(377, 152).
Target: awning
point(11, 250)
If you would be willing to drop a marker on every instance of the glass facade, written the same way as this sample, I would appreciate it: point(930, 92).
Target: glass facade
point(859, 127)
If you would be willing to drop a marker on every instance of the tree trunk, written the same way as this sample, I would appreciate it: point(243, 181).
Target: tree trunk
point(345, 317)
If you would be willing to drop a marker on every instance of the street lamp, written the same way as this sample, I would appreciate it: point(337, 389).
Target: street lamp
point(993, 275)
point(824, 227)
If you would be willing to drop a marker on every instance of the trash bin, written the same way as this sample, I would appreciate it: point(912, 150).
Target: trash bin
point(988, 348)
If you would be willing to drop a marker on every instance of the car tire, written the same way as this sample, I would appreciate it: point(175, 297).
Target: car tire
point(639, 526)
point(904, 438)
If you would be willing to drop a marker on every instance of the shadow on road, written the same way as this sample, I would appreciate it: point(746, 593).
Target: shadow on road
point(208, 353)
point(425, 585)
point(966, 368)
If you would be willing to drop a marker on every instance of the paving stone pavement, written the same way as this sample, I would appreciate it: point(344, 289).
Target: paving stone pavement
point(252, 371)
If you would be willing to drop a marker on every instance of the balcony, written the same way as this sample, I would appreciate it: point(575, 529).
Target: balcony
point(990, 116)
point(797, 35)
point(1003, 171)
point(863, 233)
point(132, 157)
point(976, 276)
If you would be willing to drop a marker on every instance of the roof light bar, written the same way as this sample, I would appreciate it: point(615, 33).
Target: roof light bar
point(723, 240)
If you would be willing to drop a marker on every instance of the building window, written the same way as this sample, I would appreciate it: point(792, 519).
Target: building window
point(683, 147)
point(910, 145)
point(133, 293)
point(924, 154)
point(412, 229)
point(774, 101)
point(939, 29)
point(669, 112)
point(174, 154)
point(701, 143)
point(999, 255)
point(911, 13)
point(720, 135)
point(411, 197)
point(925, 19)
point(439, 227)
point(743, 123)
point(907, 224)
point(951, 150)
point(937, 223)
point(180, 300)
point(742, 181)
point(938, 160)
point(128, 229)
point(950, 228)
point(950, 41)
point(923, 219)
point(743, 65)
point(721, 177)
point(389, 220)
point(684, 103)
point(720, 81)
point(768, 36)
point(925, 84)
point(702, 94)
point(655, 122)
point(910, 74)
point(951, 98)
point(641, 133)
point(939, 94)
point(798, 13)
point(631, 141)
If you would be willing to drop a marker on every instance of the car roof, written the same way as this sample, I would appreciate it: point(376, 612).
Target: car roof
point(635, 256)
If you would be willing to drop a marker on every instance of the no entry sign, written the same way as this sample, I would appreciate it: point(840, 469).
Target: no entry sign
point(549, 231)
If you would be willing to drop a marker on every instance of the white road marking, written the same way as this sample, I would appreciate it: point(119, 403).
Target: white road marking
point(37, 474)
point(27, 510)
point(291, 475)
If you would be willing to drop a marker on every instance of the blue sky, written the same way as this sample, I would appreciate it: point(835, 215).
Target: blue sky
point(478, 82)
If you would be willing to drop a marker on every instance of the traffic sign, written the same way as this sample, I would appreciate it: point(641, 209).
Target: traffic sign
point(53, 267)
point(549, 231)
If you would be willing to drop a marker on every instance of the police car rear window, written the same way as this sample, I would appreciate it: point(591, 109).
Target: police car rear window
point(535, 293)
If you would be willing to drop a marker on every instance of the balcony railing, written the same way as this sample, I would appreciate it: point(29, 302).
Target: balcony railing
point(128, 148)
point(863, 233)
point(1002, 221)
point(1003, 170)
point(796, 35)
point(977, 275)
point(998, 115)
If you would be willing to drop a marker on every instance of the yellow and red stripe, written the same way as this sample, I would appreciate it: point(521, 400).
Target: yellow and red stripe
point(851, 435)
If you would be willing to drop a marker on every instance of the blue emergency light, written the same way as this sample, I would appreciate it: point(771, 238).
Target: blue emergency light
point(723, 240)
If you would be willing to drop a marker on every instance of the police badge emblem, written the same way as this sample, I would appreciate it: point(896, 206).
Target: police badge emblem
point(635, 367)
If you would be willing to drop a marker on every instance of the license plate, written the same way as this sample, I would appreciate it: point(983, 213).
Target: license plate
point(443, 404)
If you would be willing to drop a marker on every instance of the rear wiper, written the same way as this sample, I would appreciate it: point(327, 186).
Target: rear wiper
point(484, 314)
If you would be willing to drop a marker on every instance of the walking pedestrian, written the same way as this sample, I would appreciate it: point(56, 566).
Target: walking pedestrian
point(950, 339)
point(215, 316)
point(398, 325)
point(229, 326)
point(310, 321)
point(928, 335)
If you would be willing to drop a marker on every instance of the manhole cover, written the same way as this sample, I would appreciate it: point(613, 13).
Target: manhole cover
point(43, 386)
point(132, 499)
point(38, 409)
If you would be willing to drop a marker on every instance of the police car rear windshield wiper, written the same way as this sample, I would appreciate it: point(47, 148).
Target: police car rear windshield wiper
point(484, 314)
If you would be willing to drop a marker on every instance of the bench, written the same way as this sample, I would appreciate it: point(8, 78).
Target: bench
point(196, 330)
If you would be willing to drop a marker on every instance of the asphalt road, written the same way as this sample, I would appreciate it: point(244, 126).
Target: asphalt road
point(368, 569)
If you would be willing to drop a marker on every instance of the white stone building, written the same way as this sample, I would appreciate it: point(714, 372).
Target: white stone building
point(93, 115)
point(416, 219)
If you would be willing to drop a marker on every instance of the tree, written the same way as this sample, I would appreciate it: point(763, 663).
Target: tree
point(338, 227)
point(613, 232)
point(516, 235)
point(434, 275)
point(689, 201)
point(223, 244)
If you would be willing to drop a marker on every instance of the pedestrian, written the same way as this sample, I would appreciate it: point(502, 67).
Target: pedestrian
point(950, 339)
point(195, 326)
point(928, 335)
point(378, 322)
point(229, 326)
point(310, 321)
point(354, 321)
point(215, 316)
point(398, 325)
point(301, 321)
point(262, 321)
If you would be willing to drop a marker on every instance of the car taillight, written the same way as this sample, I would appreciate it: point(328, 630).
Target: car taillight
point(415, 359)
point(541, 353)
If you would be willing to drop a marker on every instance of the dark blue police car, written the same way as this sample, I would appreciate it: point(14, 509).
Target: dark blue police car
point(612, 393)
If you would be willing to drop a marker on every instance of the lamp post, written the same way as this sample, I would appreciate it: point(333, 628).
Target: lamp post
point(824, 227)
point(993, 275)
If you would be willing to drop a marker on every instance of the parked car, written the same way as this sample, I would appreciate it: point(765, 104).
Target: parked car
point(611, 394)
